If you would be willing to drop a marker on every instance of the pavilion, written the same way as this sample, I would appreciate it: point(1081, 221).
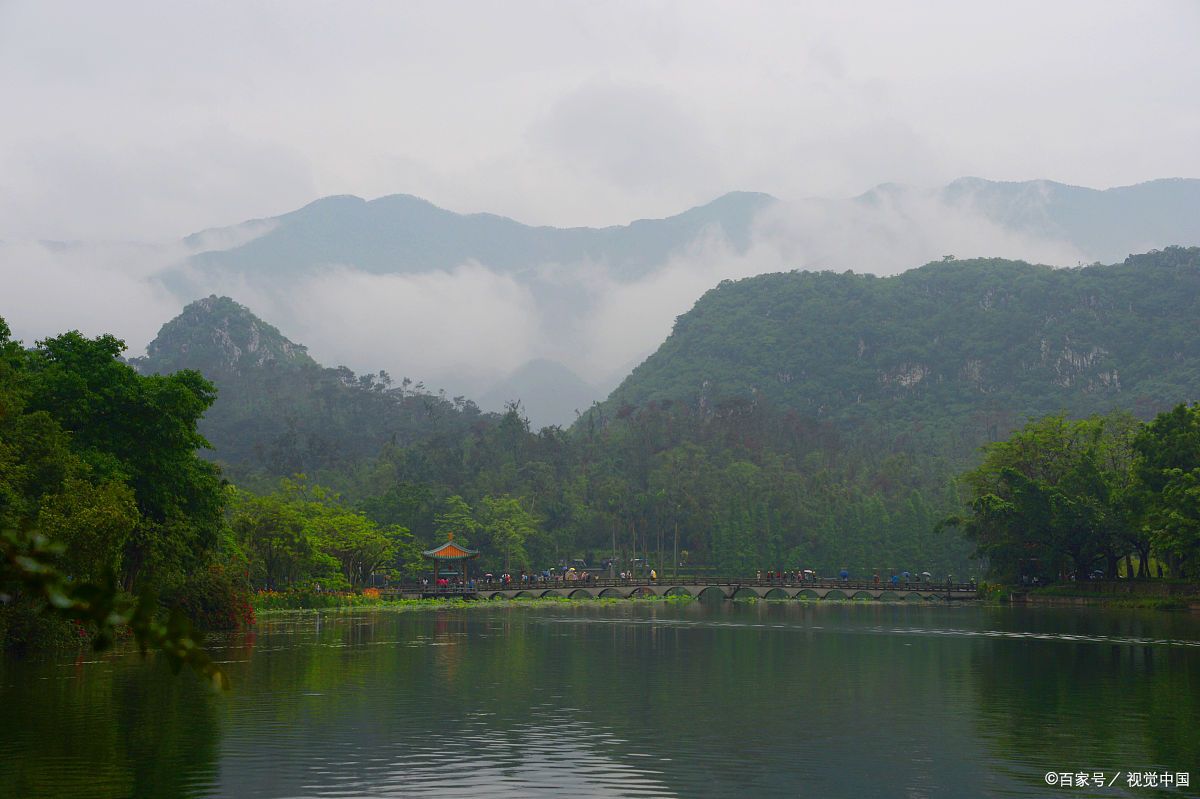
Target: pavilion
point(453, 556)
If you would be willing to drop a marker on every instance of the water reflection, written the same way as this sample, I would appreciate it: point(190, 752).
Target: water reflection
point(633, 699)
point(96, 727)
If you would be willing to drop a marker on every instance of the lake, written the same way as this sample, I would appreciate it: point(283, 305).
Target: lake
point(643, 699)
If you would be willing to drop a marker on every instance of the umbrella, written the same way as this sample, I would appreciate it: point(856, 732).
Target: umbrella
point(926, 574)
point(809, 571)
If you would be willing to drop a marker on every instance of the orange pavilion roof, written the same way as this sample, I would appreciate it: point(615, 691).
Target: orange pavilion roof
point(450, 551)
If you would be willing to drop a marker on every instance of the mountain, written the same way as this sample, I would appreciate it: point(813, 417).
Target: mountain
point(405, 234)
point(1104, 225)
point(279, 412)
point(970, 347)
point(549, 393)
point(565, 288)
point(221, 339)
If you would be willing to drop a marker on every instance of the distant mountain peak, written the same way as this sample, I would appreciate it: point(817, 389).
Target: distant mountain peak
point(401, 233)
point(549, 392)
point(219, 336)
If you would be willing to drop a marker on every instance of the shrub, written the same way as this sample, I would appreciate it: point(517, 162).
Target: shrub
point(303, 598)
point(214, 599)
point(25, 626)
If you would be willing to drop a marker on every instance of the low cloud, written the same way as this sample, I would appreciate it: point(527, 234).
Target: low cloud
point(94, 288)
point(462, 329)
point(468, 327)
point(897, 228)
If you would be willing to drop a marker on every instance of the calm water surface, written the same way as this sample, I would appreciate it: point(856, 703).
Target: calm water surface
point(634, 699)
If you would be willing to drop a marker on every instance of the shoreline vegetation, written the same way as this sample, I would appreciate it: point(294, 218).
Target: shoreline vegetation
point(267, 604)
point(1155, 595)
point(280, 604)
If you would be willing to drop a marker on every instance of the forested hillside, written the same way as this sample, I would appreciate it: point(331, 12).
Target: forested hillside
point(981, 343)
point(748, 487)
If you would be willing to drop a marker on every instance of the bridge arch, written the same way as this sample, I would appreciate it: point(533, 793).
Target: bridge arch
point(807, 593)
point(711, 591)
point(550, 592)
point(677, 590)
point(890, 596)
point(862, 594)
point(746, 592)
point(777, 593)
point(835, 593)
point(643, 590)
point(581, 592)
point(611, 593)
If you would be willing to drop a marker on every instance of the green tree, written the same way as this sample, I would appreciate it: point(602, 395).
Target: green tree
point(357, 544)
point(510, 526)
point(142, 431)
point(1169, 468)
point(455, 519)
point(1049, 500)
point(271, 531)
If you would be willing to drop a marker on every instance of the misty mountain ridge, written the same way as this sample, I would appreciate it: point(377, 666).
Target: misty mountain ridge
point(1105, 225)
point(405, 234)
point(400, 233)
point(596, 299)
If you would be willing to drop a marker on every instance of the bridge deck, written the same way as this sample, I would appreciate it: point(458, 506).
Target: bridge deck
point(727, 588)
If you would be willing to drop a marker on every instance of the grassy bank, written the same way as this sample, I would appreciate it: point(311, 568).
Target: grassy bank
point(274, 601)
point(1153, 595)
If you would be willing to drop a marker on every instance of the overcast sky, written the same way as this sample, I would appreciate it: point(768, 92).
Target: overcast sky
point(152, 120)
point(124, 126)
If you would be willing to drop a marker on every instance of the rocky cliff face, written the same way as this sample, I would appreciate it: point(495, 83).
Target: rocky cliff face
point(220, 338)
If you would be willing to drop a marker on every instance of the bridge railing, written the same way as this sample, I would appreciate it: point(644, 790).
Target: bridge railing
point(643, 582)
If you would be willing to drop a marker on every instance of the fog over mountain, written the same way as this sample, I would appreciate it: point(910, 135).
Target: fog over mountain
point(481, 304)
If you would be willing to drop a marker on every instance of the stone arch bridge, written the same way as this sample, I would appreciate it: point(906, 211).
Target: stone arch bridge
point(723, 589)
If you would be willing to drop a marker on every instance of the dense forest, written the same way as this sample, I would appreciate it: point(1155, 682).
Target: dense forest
point(742, 486)
point(794, 420)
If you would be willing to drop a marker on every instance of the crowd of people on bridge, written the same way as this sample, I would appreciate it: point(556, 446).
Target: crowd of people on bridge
point(524, 578)
point(800, 576)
